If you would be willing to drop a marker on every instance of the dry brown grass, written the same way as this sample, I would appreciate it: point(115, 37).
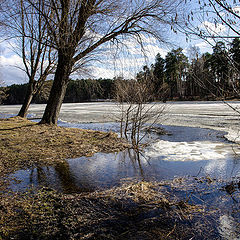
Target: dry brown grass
point(136, 210)
point(24, 143)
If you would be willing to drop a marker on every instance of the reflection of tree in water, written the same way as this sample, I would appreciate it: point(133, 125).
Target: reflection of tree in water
point(229, 226)
point(41, 175)
point(68, 182)
point(60, 176)
point(135, 158)
point(236, 163)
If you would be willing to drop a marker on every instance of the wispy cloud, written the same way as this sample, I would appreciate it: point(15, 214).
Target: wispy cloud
point(10, 69)
point(213, 28)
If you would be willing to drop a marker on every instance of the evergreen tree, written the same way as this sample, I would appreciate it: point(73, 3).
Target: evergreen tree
point(235, 57)
point(158, 73)
point(220, 67)
point(175, 69)
point(235, 52)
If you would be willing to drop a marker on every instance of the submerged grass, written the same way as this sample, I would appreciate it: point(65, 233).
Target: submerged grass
point(25, 144)
point(136, 210)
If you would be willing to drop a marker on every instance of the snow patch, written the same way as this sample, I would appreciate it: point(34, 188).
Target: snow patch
point(233, 135)
point(187, 151)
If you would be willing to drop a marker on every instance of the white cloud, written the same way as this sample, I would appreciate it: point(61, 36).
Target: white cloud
point(204, 46)
point(13, 60)
point(9, 69)
point(7, 47)
point(103, 72)
point(213, 28)
point(122, 60)
point(127, 59)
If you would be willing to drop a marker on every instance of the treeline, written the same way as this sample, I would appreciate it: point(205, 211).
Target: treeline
point(175, 77)
point(77, 91)
point(205, 77)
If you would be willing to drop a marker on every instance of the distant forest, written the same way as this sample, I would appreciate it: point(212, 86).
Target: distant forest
point(77, 91)
point(175, 77)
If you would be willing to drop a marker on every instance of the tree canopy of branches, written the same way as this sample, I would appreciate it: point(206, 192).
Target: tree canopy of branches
point(212, 19)
point(133, 97)
point(203, 77)
point(27, 29)
point(38, 57)
point(78, 28)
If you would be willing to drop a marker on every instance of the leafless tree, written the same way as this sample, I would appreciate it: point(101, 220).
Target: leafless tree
point(29, 31)
point(2, 23)
point(138, 112)
point(79, 28)
point(3, 91)
point(38, 57)
point(212, 19)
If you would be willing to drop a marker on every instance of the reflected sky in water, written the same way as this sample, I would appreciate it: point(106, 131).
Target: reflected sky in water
point(204, 152)
point(186, 152)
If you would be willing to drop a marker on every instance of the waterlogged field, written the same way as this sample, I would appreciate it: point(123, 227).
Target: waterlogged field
point(195, 160)
point(192, 147)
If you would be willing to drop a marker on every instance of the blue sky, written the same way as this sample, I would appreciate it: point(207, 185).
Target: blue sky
point(126, 63)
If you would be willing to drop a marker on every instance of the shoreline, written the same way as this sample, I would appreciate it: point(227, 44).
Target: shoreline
point(132, 211)
point(26, 144)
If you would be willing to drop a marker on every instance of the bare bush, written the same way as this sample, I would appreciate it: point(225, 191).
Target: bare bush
point(138, 112)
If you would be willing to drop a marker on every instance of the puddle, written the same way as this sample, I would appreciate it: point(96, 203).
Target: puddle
point(204, 152)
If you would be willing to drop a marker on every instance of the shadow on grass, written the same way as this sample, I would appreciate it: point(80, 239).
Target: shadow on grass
point(133, 211)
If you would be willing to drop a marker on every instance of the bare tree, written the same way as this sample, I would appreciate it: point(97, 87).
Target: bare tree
point(3, 91)
point(216, 22)
point(225, 13)
point(138, 112)
point(27, 30)
point(78, 28)
point(38, 57)
point(2, 23)
point(212, 19)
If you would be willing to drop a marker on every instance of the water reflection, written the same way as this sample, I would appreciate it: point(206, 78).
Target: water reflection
point(67, 181)
point(107, 170)
point(84, 174)
point(58, 177)
point(187, 151)
point(228, 227)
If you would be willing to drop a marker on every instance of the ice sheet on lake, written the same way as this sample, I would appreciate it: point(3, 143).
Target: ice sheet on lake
point(187, 151)
point(233, 135)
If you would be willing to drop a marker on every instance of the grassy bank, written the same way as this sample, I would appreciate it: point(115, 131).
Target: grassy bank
point(25, 144)
point(142, 210)
point(132, 211)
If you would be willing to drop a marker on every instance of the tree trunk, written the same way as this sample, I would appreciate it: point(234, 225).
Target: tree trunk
point(58, 90)
point(27, 101)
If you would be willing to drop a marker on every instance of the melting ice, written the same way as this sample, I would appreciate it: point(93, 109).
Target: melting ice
point(188, 151)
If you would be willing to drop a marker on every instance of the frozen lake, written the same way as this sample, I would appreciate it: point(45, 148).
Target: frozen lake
point(196, 144)
point(187, 152)
point(216, 115)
